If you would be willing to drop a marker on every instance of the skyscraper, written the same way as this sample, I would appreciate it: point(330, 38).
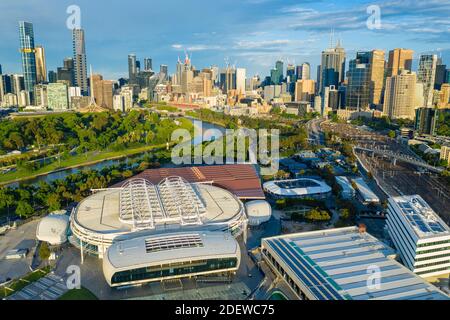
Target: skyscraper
point(276, 74)
point(80, 63)
point(148, 64)
point(358, 88)
point(399, 59)
point(132, 70)
point(240, 80)
point(303, 71)
point(400, 96)
point(441, 71)
point(332, 67)
point(28, 55)
point(52, 76)
point(103, 91)
point(376, 76)
point(66, 72)
point(41, 68)
point(426, 76)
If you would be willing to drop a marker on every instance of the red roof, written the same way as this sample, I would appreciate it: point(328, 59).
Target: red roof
point(240, 179)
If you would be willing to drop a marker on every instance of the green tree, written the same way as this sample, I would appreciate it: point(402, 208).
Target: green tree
point(24, 209)
point(44, 251)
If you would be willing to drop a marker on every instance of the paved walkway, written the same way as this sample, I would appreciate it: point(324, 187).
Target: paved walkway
point(50, 287)
point(233, 291)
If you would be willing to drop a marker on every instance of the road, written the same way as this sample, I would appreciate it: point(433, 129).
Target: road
point(315, 134)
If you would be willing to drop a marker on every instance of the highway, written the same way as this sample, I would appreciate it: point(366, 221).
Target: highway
point(315, 133)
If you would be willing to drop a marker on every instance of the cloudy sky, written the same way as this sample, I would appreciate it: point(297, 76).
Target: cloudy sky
point(249, 33)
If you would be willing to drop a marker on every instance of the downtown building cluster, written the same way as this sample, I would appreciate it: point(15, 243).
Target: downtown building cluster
point(372, 84)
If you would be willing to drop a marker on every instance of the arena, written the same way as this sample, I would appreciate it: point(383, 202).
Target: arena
point(139, 208)
point(298, 188)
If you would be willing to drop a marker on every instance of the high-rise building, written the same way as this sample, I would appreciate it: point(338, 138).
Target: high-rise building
point(18, 83)
point(66, 73)
point(400, 96)
point(132, 70)
point(240, 80)
point(148, 64)
point(52, 76)
point(103, 91)
point(426, 76)
point(79, 60)
point(332, 69)
point(227, 79)
point(57, 96)
point(441, 72)
point(28, 55)
point(444, 96)
point(419, 235)
point(303, 71)
point(276, 74)
point(164, 71)
point(358, 88)
point(40, 95)
point(41, 68)
point(425, 121)
point(304, 90)
point(376, 77)
point(399, 59)
point(6, 85)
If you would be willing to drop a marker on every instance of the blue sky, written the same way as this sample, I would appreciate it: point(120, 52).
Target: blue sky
point(249, 33)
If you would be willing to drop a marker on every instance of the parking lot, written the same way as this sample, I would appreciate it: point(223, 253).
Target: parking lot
point(21, 238)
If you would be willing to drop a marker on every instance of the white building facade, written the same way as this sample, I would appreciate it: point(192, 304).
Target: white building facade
point(420, 236)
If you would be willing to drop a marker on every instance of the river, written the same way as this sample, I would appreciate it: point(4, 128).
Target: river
point(204, 126)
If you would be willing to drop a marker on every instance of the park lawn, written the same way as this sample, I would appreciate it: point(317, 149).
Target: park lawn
point(78, 294)
point(75, 161)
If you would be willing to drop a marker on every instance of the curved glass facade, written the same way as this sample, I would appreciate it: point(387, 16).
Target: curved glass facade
point(180, 269)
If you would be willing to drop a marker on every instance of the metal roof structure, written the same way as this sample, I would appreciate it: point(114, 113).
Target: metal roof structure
point(143, 204)
point(364, 190)
point(240, 179)
point(338, 264)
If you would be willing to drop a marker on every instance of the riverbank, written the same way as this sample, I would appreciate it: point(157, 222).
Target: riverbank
point(73, 163)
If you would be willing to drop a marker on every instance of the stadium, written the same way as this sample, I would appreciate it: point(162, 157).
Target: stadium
point(139, 208)
point(297, 188)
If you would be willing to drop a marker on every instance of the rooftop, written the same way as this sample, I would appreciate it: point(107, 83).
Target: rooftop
point(240, 179)
point(297, 187)
point(140, 205)
point(170, 248)
point(423, 220)
point(338, 264)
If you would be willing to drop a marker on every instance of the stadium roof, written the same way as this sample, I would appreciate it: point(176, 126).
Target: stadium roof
point(140, 205)
point(170, 248)
point(297, 187)
point(337, 264)
point(240, 179)
point(419, 215)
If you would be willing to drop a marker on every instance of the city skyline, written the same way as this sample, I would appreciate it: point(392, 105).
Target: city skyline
point(253, 35)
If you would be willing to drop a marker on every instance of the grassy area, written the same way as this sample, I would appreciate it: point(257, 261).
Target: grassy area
point(78, 294)
point(74, 161)
point(21, 283)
